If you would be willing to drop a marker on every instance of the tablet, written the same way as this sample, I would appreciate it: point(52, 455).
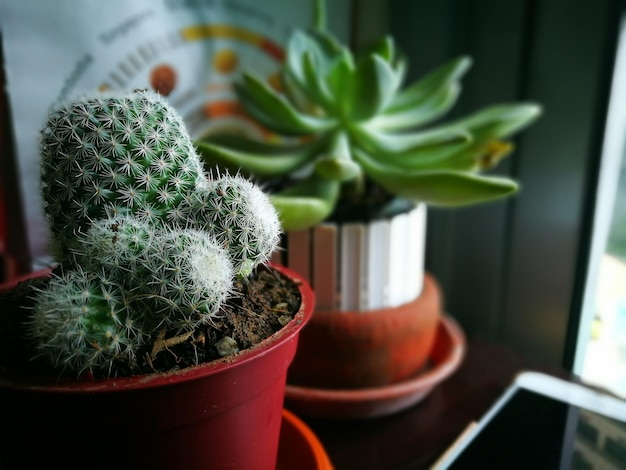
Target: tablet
point(542, 422)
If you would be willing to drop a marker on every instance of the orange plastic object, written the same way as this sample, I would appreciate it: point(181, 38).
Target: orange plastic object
point(299, 447)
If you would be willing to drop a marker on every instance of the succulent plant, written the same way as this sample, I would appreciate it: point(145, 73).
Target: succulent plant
point(352, 121)
point(148, 244)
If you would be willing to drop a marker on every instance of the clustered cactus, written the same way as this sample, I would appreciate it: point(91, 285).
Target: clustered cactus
point(147, 241)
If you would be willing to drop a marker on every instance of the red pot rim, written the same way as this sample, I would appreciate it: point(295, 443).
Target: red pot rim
point(157, 379)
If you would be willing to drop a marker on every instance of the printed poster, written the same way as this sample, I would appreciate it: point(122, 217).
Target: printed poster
point(190, 51)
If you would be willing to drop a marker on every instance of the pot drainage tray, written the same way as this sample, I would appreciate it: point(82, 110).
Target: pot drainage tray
point(444, 359)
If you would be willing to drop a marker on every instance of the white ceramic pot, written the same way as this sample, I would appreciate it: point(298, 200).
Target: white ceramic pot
point(362, 266)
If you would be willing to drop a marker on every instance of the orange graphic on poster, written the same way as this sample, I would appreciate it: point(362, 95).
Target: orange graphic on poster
point(225, 61)
point(163, 79)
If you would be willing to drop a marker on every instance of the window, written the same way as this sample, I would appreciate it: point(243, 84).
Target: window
point(601, 353)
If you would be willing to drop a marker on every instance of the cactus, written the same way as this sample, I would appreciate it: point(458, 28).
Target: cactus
point(132, 280)
point(176, 277)
point(113, 155)
point(240, 216)
point(80, 322)
point(193, 273)
point(114, 244)
point(149, 244)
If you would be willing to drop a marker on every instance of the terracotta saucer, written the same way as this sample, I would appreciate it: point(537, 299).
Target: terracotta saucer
point(445, 357)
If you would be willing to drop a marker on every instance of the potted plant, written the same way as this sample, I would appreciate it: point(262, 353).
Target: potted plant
point(363, 157)
point(162, 338)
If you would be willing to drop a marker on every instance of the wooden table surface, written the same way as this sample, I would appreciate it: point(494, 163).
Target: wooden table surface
point(416, 437)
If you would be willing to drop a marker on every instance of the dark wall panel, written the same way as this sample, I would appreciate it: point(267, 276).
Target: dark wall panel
point(508, 269)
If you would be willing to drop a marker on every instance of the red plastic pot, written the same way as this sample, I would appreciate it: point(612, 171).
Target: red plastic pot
point(368, 349)
point(223, 414)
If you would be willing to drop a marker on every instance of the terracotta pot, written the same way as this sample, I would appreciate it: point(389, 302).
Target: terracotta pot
point(342, 349)
point(223, 414)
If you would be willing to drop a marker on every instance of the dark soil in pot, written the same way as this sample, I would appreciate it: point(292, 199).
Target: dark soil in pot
point(375, 204)
point(260, 306)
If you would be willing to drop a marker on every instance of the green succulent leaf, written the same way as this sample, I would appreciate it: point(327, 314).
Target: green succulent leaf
point(337, 163)
point(299, 97)
point(300, 45)
point(432, 107)
point(307, 203)
point(437, 187)
point(373, 85)
point(257, 158)
point(450, 155)
point(315, 87)
point(498, 122)
point(322, 47)
point(488, 129)
point(417, 94)
point(309, 59)
point(274, 111)
point(400, 66)
point(384, 145)
point(339, 79)
point(327, 43)
point(482, 147)
point(383, 47)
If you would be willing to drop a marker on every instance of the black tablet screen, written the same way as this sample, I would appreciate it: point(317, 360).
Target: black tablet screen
point(536, 432)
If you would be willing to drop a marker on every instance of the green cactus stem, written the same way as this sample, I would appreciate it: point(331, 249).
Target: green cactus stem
point(143, 281)
point(113, 155)
point(175, 277)
point(114, 245)
point(240, 217)
point(81, 323)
